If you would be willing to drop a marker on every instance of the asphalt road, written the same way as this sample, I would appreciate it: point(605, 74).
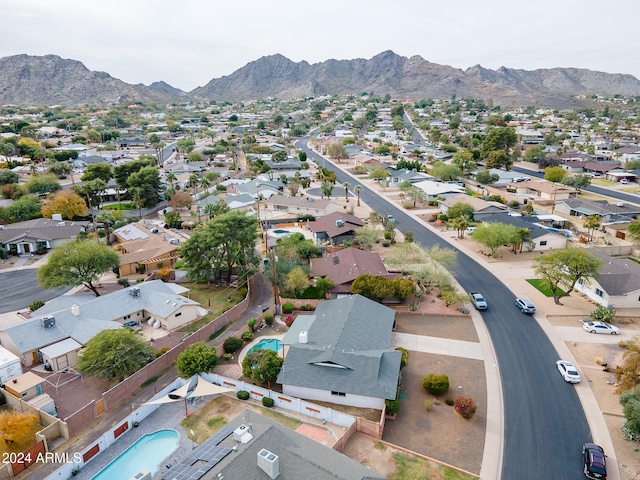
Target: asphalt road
point(20, 288)
point(544, 423)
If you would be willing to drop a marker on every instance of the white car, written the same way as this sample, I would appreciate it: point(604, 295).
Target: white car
point(624, 181)
point(568, 371)
point(600, 327)
point(478, 300)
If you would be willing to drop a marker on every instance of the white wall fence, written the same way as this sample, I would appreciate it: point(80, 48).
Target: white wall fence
point(143, 411)
point(285, 402)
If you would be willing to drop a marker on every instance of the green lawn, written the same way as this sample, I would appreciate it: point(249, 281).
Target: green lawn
point(214, 298)
point(115, 206)
point(537, 283)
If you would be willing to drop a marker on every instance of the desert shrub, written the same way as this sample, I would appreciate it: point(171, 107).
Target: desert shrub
point(289, 320)
point(428, 405)
point(242, 395)
point(449, 401)
point(36, 305)
point(267, 402)
point(388, 235)
point(247, 336)
point(268, 319)
point(603, 314)
point(227, 356)
point(306, 308)
point(162, 351)
point(514, 204)
point(436, 384)
point(465, 406)
point(232, 344)
point(287, 308)
point(407, 205)
point(408, 237)
point(405, 356)
point(393, 406)
point(386, 243)
point(252, 324)
point(124, 282)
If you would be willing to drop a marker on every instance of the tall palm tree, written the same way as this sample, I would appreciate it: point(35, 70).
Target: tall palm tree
point(592, 222)
point(171, 178)
point(357, 189)
point(346, 190)
point(524, 234)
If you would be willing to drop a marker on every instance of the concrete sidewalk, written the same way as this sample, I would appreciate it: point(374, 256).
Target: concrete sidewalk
point(437, 345)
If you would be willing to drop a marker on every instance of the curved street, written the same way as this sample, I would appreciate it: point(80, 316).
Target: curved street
point(544, 423)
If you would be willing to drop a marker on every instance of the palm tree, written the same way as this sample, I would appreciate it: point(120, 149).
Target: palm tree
point(357, 189)
point(460, 224)
point(592, 222)
point(171, 178)
point(346, 190)
point(194, 179)
point(107, 219)
point(327, 188)
point(524, 234)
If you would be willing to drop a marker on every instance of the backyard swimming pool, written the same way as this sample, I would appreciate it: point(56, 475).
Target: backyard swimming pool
point(147, 453)
point(281, 233)
point(267, 344)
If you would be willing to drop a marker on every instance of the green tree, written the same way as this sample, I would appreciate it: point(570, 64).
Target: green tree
point(42, 184)
point(631, 408)
point(146, 183)
point(196, 358)
point(592, 223)
point(403, 288)
point(554, 174)
point(494, 235)
point(358, 189)
point(498, 159)
point(534, 154)
point(194, 157)
point(451, 296)
point(185, 145)
point(460, 209)
point(366, 237)
point(464, 161)
point(279, 156)
point(402, 256)
point(485, 177)
point(114, 354)
point(8, 176)
point(121, 173)
point(337, 151)
point(500, 138)
point(297, 281)
point(213, 209)
point(561, 269)
point(77, 262)
point(326, 188)
point(346, 186)
point(102, 171)
point(444, 171)
point(577, 181)
point(217, 247)
point(323, 284)
point(107, 219)
point(379, 173)
point(262, 366)
point(460, 224)
point(372, 286)
point(24, 208)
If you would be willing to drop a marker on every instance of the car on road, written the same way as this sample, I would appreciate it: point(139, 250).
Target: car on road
point(525, 305)
point(600, 327)
point(595, 465)
point(478, 300)
point(391, 218)
point(568, 371)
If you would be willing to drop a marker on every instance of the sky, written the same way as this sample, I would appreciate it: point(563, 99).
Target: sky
point(186, 43)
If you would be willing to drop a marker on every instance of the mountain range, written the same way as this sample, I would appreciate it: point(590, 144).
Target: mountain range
point(50, 79)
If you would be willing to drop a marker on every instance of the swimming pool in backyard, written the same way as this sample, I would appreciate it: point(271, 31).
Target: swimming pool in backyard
point(148, 452)
point(267, 344)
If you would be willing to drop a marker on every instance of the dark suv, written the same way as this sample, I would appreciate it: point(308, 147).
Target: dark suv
point(594, 461)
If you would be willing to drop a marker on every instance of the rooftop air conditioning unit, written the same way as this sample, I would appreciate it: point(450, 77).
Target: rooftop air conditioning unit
point(303, 337)
point(154, 230)
point(134, 291)
point(48, 322)
point(339, 223)
point(269, 463)
point(174, 241)
point(242, 435)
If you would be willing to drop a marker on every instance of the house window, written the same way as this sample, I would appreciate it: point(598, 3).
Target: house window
point(339, 394)
point(599, 292)
point(543, 243)
point(178, 314)
point(127, 317)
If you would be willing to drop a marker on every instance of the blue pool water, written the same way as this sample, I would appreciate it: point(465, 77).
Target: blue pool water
point(147, 453)
point(566, 233)
point(281, 232)
point(267, 344)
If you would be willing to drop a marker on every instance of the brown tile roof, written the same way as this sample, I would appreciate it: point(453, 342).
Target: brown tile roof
point(346, 265)
point(328, 224)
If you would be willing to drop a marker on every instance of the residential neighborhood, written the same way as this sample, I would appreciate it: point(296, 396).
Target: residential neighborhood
point(314, 261)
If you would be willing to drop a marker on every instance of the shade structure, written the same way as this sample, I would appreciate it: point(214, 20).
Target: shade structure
point(162, 400)
point(207, 388)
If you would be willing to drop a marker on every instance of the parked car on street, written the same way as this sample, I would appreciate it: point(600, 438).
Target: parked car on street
point(568, 371)
point(478, 300)
point(525, 305)
point(595, 465)
point(600, 327)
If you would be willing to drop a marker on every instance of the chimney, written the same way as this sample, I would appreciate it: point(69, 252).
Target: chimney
point(75, 310)
point(303, 338)
point(269, 463)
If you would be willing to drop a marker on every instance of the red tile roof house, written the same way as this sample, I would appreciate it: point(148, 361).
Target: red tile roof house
point(335, 228)
point(344, 266)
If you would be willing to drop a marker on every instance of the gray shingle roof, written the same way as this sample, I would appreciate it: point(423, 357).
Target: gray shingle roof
point(351, 337)
point(618, 276)
point(299, 457)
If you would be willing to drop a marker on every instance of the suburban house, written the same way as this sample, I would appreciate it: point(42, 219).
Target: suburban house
point(481, 208)
point(252, 446)
point(335, 228)
point(81, 317)
point(146, 248)
point(242, 201)
point(608, 212)
point(38, 235)
point(504, 177)
point(260, 188)
point(281, 204)
point(544, 238)
point(344, 356)
point(617, 284)
point(433, 190)
point(344, 266)
point(541, 190)
point(406, 175)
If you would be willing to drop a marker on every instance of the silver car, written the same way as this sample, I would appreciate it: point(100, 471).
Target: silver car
point(600, 327)
point(525, 305)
